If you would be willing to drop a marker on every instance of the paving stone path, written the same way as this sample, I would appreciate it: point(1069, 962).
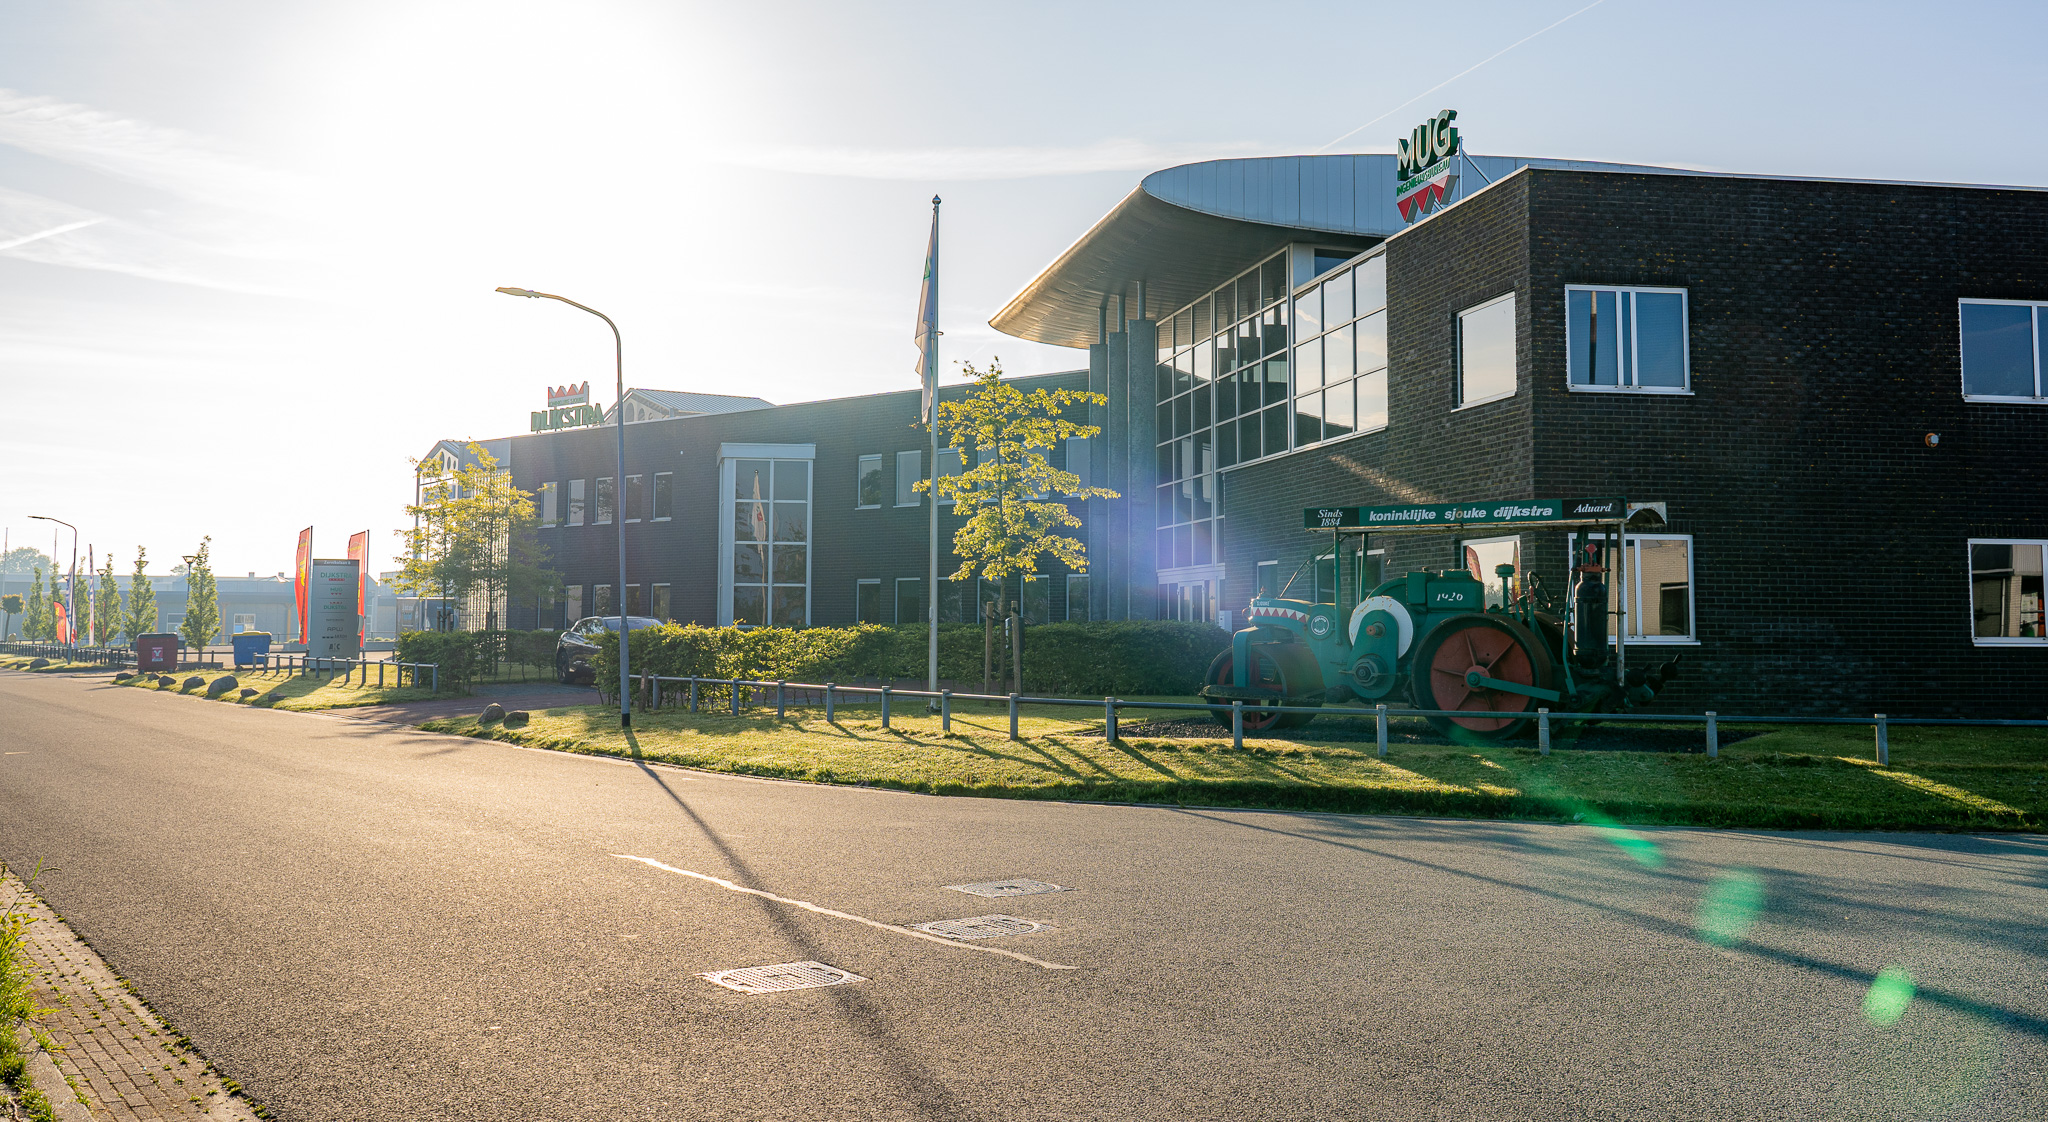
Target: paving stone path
point(118, 1061)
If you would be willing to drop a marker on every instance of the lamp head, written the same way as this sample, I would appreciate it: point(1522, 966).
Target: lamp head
point(527, 292)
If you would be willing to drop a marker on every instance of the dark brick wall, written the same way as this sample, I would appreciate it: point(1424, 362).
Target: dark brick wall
point(848, 543)
point(1829, 542)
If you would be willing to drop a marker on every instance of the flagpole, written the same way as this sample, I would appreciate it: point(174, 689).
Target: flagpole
point(931, 381)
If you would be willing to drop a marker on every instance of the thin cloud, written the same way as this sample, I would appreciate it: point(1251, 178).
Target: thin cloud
point(165, 158)
point(965, 163)
point(33, 228)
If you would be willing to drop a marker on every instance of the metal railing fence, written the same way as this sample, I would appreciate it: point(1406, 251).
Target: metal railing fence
point(292, 665)
point(652, 690)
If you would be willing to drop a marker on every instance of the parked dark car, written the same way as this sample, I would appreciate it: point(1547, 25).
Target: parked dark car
point(574, 649)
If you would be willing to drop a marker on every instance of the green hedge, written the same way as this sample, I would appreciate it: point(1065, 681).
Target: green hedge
point(464, 655)
point(1068, 659)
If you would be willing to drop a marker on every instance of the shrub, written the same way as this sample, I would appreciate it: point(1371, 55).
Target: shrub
point(464, 656)
point(1074, 659)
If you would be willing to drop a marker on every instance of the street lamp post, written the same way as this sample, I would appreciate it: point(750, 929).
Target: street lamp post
point(70, 584)
point(618, 493)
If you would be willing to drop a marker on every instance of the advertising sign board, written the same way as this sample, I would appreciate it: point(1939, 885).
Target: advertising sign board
point(1415, 516)
point(336, 630)
point(1424, 165)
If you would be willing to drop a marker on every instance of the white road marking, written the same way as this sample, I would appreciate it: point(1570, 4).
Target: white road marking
point(810, 907)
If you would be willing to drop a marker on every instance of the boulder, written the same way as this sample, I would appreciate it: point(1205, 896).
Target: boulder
point(247, 693)
point(38, 663)
point(516, 718)
point(165, 680)
point(123, 676)
point(272, 698)
point(193, 683)
point(492, 712)
point(221, 685)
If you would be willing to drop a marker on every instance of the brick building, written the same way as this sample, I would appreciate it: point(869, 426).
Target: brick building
point(1836, 389)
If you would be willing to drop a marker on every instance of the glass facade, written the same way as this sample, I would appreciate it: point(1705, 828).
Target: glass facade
point(771, 564)
point(1255, 369)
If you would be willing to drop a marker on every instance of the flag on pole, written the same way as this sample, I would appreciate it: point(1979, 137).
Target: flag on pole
point(302, 579)
point(927, 335)
point(359, 552)
point(92, 603)
point(63, 623)
point(759, 518)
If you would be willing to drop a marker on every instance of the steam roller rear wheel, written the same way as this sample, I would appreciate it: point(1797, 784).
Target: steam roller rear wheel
point(1494, 647)
point(1287, 670)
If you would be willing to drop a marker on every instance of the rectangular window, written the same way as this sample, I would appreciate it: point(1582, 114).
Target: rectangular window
point(1627, 339)
point(1486, 351)
point(769, 506)
point(576, 502)
point(909, 602)
point(1269, 579)
point(1658, 575)
point(601, 603)
point(604, 501)
point(550, 507)
point(909, 470)
point(633, 605)
point(951, 462)
point(867, 483)
point(1077, 597)
point(572, 603)
point(1077, 460)
point(664, 496)
point(636, 499)
point(867, 600)
point(664, 609)
point(1037, 595)
point(2005, 592)
point(1484, 556)
point(2005, 350)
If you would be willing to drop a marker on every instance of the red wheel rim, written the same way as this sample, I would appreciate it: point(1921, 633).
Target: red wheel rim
point(1493, 653)
point(1264, 675)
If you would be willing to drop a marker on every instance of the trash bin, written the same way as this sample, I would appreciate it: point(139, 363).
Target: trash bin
point(156, 652)
point(251, 647)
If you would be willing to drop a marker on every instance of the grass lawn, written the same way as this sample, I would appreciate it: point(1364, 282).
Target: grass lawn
point(21, 662)
point(1799, 777)
point(294, 691)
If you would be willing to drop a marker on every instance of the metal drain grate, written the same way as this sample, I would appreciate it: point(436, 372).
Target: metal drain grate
point(982, 927)
point(1017, 887)
point(784, 976)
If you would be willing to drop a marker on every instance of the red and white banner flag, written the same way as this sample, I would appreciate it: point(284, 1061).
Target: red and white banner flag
point(359, 552)
point(302, 578)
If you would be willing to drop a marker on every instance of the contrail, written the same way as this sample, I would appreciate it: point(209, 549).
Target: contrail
point(52, 232)
point(1458, 75)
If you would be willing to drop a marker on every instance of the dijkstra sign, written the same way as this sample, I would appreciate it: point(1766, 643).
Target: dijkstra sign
point(1424, 167)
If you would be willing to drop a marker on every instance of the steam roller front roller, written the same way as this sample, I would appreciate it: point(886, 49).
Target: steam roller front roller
point(1475, 664)
point(1285, 671)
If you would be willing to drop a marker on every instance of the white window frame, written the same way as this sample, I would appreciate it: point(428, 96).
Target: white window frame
point(646, 495)
point(1515, 384)
point(896, 602)
point(596, 500)
point(2034, 351)
point(916, 458)
point(578, 511)
point(860, 469)
point(653, 500)
point(1634, 365)
point(864, 582)
point(1087, 609)
point(1633, 570)
point(1969, 571)
point(550, 505)
point(957, 458)
point(667, 592)
point(1488, 578)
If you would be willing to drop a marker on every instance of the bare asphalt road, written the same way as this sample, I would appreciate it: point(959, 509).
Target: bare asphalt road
point(359, 922)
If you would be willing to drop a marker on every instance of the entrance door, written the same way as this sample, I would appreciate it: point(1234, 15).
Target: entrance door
point(1190, 600)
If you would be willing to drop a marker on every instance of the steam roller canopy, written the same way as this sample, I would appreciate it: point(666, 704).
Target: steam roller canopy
point(1461, 665)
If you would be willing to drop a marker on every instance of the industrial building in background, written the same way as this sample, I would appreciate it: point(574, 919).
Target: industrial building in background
point(1832, 389)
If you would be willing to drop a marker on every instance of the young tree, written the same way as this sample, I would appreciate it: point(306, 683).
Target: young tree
point(477, 539)
point(10, 606)
point(25, 559)
point(106, 605)
point(202, 601)
point(38, 607)
point(140, 618)
point(1014, 500)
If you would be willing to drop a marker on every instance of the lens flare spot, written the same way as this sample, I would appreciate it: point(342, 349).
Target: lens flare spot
point(1641, 849)
point(1729, 908)
point(1889, 995)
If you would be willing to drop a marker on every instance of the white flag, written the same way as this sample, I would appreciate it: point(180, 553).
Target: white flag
point(927, 335)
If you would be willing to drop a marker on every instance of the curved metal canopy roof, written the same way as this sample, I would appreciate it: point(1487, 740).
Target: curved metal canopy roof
point(1186, 229)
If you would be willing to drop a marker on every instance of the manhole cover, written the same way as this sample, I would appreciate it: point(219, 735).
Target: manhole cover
point(784, 976)
point(1007, 888)
point(982, 927)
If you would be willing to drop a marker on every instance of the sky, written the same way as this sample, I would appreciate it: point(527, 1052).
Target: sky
point(248, 249)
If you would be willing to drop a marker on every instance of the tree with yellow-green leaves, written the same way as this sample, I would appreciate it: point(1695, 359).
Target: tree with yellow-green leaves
point(38, 616)
point(106, 605)
point(1015, 502)
point(140, 617)
point(476, 539)
point(202, 600)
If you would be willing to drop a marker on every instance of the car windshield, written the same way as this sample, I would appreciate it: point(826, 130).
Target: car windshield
point(611, 623)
